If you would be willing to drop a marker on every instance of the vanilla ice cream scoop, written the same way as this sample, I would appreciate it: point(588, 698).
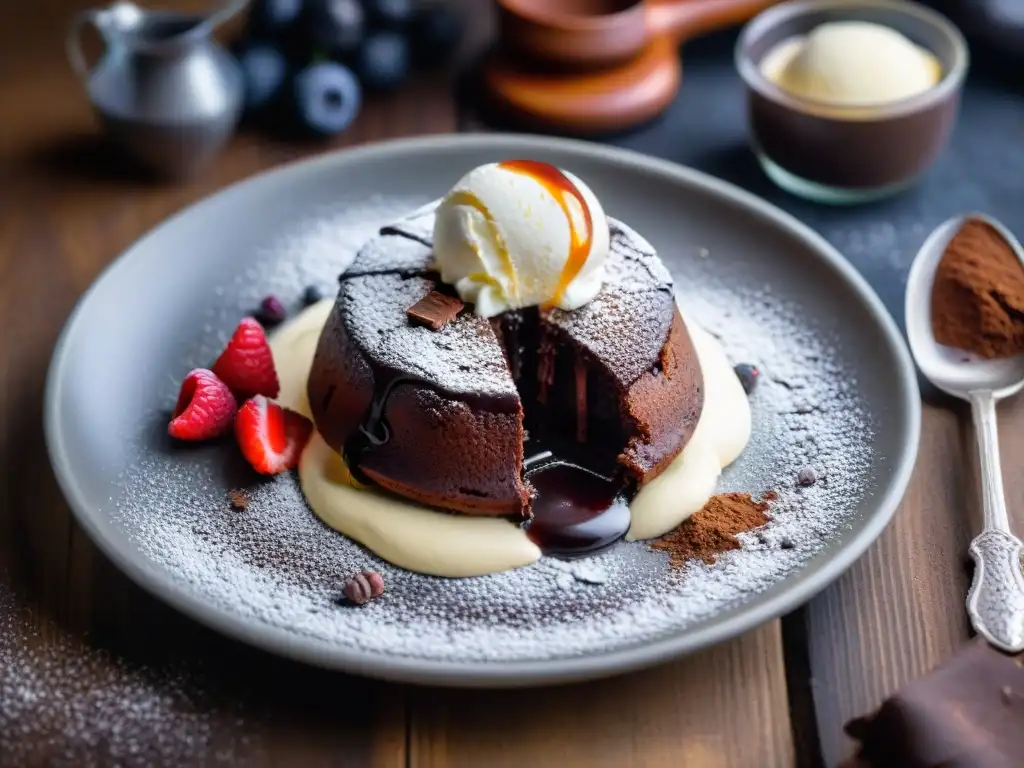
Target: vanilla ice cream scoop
point(852, 63)
point(519, 234)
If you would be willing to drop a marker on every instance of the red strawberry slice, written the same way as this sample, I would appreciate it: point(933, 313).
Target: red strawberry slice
point(271, 437)
point(246, 364)
point(204, 409)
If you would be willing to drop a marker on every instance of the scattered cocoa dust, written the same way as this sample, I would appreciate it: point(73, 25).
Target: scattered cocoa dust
point(713, 529)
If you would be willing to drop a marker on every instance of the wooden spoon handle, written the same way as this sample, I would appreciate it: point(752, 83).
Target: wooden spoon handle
point(684, 19)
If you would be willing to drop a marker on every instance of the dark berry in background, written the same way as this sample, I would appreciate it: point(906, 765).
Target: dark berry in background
point(268, 18)
point(271, 311)
point(307, 63)
point(326, 98)
point(264, 70)
point(748, 375)
point(312, 295)
point(334, 27)
point(383, 62)
point(395, 15)
point(435, 34)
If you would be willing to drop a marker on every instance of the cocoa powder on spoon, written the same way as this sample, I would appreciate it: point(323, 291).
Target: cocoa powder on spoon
point(978, 293)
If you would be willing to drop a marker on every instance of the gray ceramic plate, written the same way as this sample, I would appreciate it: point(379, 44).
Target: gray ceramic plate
point(838, 395)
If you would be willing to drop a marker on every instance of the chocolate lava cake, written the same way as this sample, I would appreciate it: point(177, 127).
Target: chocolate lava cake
point(443, 417)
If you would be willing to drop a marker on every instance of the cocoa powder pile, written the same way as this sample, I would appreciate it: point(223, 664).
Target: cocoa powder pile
point(978, 294)
point(713, 529)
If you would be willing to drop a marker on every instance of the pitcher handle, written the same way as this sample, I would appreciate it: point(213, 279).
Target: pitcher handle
point(683, 19)
point(76, 55)
point(225, 12)
point(120, 17)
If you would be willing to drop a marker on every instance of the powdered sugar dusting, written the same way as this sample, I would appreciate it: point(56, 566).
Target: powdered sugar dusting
point(635, 266)
point(317, 249)
point(625, 349)
point(462, 358)
point(637, 286)
point(275, 564)
point(312, 253)
point(65, 704)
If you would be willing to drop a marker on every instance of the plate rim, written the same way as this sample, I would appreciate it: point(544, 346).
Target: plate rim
point(163, 585)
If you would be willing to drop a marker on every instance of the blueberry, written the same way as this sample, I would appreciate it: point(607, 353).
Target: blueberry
point(383, 63)
point(264, 68)
point(273, 17)
point(326, 98)
point(335, 26)
point(312, 295)
point(390, 14)
point(435, 34)
point(748, 375)
point(271, 311)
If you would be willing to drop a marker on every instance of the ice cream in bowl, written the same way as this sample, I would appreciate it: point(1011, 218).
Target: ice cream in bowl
point(850, 100)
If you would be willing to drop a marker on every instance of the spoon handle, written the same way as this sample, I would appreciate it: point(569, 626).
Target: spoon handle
point(995, 601)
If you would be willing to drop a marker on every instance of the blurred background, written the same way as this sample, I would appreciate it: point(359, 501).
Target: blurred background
point(70, 202)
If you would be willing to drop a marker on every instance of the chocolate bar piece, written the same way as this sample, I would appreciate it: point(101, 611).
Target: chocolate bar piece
point(435, 310)
point(968, 713)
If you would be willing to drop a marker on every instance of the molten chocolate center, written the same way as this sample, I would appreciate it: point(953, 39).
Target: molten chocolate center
point(577, 512)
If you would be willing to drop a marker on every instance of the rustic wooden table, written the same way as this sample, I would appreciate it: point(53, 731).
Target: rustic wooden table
point(777, 696)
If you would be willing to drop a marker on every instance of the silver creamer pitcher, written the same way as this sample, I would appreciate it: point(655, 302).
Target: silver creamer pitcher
point(166, 92)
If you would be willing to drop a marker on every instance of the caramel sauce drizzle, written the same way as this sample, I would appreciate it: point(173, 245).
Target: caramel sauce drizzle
point(568, 196)
point(470, 200)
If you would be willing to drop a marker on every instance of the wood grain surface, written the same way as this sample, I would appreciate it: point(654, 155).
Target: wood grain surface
point(66, 209)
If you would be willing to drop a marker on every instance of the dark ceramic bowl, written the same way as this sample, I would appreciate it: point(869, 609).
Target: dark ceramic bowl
point(839, 154)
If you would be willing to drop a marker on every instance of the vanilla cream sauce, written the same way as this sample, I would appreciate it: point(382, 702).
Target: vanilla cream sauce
point(429, 541)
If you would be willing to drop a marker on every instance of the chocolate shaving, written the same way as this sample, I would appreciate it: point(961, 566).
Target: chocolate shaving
point(435, 310)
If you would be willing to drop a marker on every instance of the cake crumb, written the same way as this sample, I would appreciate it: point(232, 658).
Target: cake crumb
point(806, 477)
point(238, 498)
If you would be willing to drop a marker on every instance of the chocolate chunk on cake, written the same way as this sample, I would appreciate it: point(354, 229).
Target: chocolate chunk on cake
point(442, 415)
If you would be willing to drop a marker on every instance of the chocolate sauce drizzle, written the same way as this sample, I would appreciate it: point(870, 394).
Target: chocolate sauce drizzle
point(374, 431)
point(576, 512)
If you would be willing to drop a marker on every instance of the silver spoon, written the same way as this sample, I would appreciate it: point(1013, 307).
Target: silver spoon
point(995, 602)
